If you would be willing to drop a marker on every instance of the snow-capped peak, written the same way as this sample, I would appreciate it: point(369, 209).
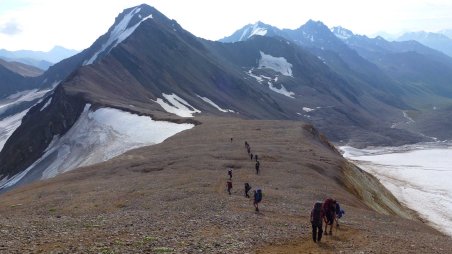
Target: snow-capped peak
point(342, 33)
point(121, 31)
point(257, 28)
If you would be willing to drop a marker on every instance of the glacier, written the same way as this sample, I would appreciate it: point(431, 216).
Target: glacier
point(418, 175)
point(96, 136)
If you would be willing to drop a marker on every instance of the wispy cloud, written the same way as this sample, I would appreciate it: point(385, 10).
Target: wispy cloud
point(10, 28)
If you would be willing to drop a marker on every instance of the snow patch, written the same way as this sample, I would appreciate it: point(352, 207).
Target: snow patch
point(269, 80)
point(278, 64)
point(281, 90)
point(177, 106)
point(119, 33)
point(306, 109)
point(213, 104)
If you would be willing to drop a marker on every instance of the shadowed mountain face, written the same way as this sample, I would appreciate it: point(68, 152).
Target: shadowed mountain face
point(22, 69)
point(147, 64)
point(408, 75)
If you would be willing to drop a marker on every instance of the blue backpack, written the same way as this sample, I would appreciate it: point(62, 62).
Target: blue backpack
point(258, 196)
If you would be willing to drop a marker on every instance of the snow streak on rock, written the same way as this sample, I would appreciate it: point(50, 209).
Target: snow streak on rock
point(177, 105)
point(120, 32)
point(213, 104)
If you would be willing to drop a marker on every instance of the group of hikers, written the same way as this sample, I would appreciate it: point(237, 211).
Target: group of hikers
point(327, 211)
point(257, 192)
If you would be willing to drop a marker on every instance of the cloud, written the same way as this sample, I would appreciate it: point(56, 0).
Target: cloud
point(10, 28)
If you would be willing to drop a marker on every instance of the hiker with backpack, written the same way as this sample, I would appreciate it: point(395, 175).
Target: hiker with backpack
point(257, 167)
point(229, 186)
point(317, 221)
point(329, 212)
point(247, 189)
point(257, 199)
point(255, 157)
point(230, 173)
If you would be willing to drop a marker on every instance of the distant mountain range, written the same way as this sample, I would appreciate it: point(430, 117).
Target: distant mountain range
point(358, 90)
point(436, 41)
point(39, 59)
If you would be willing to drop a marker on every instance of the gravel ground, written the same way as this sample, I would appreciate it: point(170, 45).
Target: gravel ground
point(172, 198)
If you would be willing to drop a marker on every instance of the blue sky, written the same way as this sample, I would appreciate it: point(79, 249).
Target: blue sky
point(42, 24)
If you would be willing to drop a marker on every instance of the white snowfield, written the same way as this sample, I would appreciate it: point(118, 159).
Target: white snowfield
point(419, 176)
point(278, 64)
point(8, 125)
point(177, 105)
point(213, 104)
point(119, 33)
point(96, 137)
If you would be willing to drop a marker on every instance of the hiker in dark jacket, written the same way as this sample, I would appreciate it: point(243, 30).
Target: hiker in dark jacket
point(258, 164)
point(229, 186)
point(257, 199)
point(255, 157)
point(316, 221)
point(230, 173)
point(251, 155)
point(329, 212)
point(247, 189)
point(249, 150)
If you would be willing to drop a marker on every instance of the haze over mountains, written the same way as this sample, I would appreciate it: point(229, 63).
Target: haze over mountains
point(39, 59)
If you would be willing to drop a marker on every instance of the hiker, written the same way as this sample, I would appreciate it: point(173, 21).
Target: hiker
point(339, 213)
point(251, 155)
point(257, 167)
point(249, 150)
point(257, 198)
point(316, 221)
point(247, 189)
point(246, 145)
point(231, 140)
point(329, 213)
point(230, 173)
point(229, 185)
point(255, 157)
